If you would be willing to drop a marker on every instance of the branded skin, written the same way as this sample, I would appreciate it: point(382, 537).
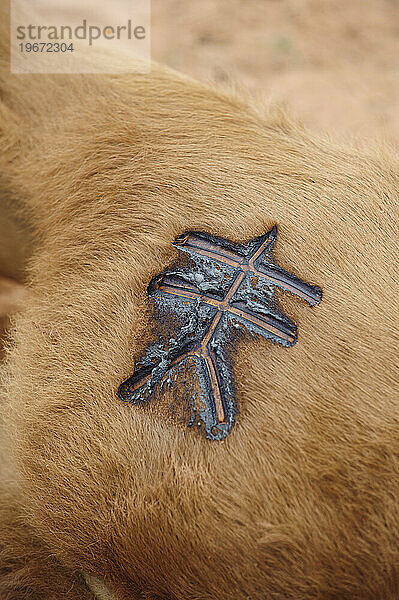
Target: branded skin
point(104, 499)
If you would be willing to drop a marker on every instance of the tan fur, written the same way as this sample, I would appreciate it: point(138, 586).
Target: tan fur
point(301, 501)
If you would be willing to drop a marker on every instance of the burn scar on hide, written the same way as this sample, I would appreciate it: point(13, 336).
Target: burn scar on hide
point(215, 292)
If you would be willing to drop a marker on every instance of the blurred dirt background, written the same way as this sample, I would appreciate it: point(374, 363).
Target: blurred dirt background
point(334, 63)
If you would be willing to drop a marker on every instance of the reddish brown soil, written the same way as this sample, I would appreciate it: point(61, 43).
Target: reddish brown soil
point(334, 62)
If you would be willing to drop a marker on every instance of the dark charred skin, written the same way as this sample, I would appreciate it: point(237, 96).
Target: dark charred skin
point(218, 291)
